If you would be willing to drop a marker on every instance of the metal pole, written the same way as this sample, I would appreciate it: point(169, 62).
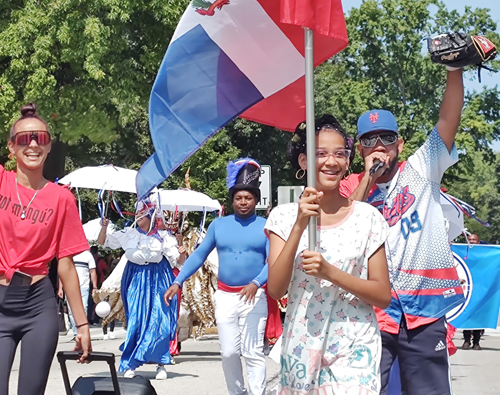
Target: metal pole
point(310, 128)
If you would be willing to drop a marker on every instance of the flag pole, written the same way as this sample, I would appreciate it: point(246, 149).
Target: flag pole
point(310, 128)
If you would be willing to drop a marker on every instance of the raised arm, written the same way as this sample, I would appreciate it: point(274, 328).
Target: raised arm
point(102, 234)
point(451, 108)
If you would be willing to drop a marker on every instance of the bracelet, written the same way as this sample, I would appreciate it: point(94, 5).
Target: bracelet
point(79, 326)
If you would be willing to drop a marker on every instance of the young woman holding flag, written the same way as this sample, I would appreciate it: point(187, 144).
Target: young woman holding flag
point(331, 339)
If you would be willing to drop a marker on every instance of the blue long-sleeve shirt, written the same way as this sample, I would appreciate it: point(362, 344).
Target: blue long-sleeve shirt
point(242, 247)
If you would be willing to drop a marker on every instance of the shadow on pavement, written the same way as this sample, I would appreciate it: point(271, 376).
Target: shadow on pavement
point(197, 353)
point(184, 360)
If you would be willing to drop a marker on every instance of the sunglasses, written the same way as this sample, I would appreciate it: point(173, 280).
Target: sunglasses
point(41, 137)
point(386, 139)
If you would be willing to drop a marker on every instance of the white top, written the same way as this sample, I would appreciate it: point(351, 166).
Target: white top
point(143, 249)
point(417, 247)
point(83, 263)
point(331, 340)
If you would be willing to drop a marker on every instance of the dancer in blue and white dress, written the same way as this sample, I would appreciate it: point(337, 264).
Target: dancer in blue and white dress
point(151, 325)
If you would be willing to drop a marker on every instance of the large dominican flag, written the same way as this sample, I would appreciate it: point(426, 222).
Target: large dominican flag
point(232, 57)
point(478, 266)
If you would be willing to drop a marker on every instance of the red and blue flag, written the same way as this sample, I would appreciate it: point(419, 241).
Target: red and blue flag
point(232, 58)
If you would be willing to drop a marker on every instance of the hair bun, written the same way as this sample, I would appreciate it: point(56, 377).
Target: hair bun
point(28, 110)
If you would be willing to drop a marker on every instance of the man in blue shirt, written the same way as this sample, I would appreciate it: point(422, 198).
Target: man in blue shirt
point(240, 301)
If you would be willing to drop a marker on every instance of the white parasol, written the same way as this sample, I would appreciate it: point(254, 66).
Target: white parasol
point(105, 177)
point(93, 228)
point(184, 200)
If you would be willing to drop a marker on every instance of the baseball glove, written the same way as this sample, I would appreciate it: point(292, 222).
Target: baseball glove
point(460, 50)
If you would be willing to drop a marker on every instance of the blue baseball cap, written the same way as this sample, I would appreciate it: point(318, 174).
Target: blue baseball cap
point(374, 120)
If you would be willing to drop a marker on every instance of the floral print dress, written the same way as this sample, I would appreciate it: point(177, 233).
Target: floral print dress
point(331, 340)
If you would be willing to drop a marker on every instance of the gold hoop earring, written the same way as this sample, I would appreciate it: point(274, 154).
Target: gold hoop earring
point(299, 175)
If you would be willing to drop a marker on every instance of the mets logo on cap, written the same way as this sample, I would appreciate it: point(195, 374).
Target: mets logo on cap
point(374, 117)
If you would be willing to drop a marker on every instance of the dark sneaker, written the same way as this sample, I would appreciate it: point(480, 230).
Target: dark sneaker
point(476, 347)
point(466, 345)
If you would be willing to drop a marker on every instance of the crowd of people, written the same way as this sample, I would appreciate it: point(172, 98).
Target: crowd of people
point(375, 289)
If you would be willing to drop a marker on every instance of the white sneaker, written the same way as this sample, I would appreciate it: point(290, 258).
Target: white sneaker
point(105, 337)
point(161, 373)
point(129, 374)
point(112, 335)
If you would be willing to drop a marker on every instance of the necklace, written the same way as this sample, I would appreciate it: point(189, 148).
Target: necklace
point(23, 213)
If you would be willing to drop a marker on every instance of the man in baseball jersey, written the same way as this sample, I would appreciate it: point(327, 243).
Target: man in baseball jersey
point(425, 284)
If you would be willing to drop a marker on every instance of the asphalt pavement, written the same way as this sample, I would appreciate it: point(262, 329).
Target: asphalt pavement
point(198, 369)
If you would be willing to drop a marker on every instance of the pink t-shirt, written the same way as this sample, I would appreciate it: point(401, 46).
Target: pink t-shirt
point(52, 227)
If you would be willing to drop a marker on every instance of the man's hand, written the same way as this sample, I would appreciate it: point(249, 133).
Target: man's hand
point(380, 156)
point(182, 250)
point(104, 222)
point(315, 265)
point(170, 293)
point(248, 293)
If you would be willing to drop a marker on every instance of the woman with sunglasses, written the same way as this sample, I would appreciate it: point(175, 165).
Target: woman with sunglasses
point(38, 221)
point(331, 339)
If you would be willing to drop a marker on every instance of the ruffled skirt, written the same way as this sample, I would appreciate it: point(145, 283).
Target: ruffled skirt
point(151, 324)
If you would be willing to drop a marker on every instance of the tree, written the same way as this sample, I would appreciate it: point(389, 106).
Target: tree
point(89, 65)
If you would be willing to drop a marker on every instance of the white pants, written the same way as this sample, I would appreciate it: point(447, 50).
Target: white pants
point(241, 330)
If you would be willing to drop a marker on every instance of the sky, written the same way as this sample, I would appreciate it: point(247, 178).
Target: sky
point(488, 79)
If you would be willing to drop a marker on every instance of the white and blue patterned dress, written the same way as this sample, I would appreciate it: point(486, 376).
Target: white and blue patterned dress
point(151, 324)
point(331, 340)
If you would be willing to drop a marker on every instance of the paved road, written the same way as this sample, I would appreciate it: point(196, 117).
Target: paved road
point(198, 369)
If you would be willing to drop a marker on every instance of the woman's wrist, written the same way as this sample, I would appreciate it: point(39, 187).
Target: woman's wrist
point(299, 227)
point(332, 273)
point(82, 325)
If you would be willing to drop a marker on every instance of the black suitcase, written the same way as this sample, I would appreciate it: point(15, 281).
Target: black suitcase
point(113, 385)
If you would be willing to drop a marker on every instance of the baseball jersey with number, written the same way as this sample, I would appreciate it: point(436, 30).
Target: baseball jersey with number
point(423, 276)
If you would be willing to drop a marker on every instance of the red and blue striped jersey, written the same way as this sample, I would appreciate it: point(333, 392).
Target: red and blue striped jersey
point(423, 277)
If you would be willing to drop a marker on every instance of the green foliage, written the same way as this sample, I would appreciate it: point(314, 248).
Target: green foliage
point(88, 64)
